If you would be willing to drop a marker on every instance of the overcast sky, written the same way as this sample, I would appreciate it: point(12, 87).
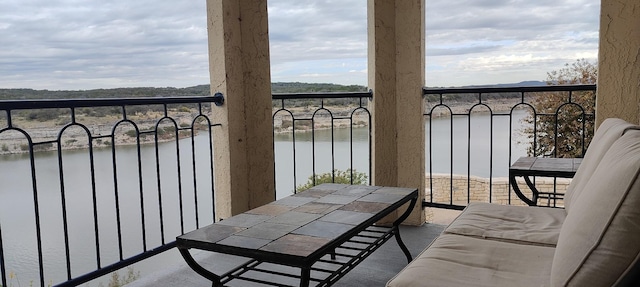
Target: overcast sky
point(89, 44)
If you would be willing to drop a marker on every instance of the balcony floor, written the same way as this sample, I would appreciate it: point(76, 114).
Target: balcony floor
point(376, 270)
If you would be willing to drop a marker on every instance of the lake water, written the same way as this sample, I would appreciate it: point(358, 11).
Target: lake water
point(17, 206)
point(461, 145)
point(472, 152)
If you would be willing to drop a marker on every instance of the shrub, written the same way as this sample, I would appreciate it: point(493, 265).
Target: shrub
point(337, 176)
point(43, 115)
point(42, 147)
point(132, 133)
point(301, 125)
point(286, 123)
point(117, 281)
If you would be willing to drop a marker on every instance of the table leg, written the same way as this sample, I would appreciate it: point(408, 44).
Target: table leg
point(305, 276)
point(516, 189)
point(534, 190)
point(215, 279)
point(396, 229)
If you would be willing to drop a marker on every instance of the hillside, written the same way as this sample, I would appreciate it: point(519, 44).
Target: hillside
point(201, 90)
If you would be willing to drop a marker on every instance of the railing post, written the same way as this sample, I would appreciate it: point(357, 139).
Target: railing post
point(396, 76)
point(239, 67)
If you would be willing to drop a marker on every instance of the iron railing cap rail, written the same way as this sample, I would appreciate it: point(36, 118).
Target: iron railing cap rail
point(99, 102)
point(525, 89)
point(109, 102)
point(321, 95)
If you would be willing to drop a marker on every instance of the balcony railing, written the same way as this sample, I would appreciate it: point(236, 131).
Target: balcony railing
point(474, 134)
point(102, 184)
point(321, 136)
point(97, 185)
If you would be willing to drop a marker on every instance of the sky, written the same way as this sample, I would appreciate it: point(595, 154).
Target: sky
point(91, 44)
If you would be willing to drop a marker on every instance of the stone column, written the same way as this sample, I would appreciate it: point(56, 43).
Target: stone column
point(619, 61)
point(396, 76)
point(240, 69)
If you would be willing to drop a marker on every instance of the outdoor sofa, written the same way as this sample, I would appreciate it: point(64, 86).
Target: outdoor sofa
point(593, 241)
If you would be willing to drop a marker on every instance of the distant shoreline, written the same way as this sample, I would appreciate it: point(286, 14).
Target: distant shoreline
point(47, 131)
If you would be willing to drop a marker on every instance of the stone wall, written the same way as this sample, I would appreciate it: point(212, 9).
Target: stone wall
point(496, 190)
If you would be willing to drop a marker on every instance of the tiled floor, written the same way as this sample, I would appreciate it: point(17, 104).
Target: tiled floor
point(376, 270)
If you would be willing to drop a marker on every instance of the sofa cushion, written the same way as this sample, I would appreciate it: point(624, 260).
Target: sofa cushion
point(600, 238)
point(607, 133)
point(518, 224)
point(454, 260)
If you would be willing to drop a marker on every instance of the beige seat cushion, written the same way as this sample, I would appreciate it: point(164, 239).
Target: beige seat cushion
point(607, 133)
point(454, 260)
point(519, 224)
point(600, 238)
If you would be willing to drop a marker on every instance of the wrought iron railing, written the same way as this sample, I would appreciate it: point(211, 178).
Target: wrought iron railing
point(94, 185)
point(106, 183)
point(321, 136)
point(474, 134)
point(122, 191)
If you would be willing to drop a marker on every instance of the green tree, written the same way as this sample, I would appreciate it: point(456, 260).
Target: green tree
point(564, 124)
point(337, 176)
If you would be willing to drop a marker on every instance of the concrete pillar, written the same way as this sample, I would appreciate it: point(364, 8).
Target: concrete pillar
point(396, 76)
point(619, 61)
point(239, 67)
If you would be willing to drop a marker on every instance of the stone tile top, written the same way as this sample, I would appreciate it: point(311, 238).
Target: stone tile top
point(302, 224)
point(541, 166)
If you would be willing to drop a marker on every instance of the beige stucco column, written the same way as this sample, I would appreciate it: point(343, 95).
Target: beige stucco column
point(619, 61)
point(396, 76)
point(239, 67)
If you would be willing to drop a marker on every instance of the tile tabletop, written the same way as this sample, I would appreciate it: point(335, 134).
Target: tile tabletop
point(301, 224)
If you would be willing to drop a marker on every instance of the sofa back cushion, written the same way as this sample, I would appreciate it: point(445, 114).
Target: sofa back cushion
point(599, 240)
point(609, 131)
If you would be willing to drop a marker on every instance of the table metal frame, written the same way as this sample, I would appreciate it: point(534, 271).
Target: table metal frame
point(527, 167)
point(324, 267)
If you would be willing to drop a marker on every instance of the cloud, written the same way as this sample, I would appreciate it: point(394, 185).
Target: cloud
point(93, 44)
point(311, 30)
point(502, 41)
point(83, 44)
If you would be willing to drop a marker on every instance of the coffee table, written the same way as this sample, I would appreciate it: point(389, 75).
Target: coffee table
point(320, 234)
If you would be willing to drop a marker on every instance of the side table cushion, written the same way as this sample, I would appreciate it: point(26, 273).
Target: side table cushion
point(598, 241)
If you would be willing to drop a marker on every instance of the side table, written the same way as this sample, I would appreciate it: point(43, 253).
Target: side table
point(538, 166)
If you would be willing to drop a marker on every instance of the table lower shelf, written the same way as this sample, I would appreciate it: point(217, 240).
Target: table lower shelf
point(325, 272)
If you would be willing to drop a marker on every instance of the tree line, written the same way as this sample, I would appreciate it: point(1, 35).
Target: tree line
point(200, 90)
